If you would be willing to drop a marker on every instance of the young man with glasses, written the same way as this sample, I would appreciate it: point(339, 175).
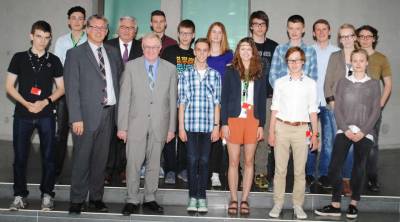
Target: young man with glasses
point(182, 57)
point(259, 25)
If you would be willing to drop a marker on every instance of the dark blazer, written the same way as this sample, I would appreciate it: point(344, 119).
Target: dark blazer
point(231, 94)
point(135, 51)
point(84, 83)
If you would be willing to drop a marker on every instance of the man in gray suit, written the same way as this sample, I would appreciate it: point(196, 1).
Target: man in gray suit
point(92, 87)
point(146, 120)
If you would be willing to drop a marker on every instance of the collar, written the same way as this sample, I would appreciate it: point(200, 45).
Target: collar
point(354, 80)
point(121, 43)
point(300, 79)
point(94, 47)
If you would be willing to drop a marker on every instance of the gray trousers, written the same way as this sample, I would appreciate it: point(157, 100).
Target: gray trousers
point(261, 157)
point(147, 150)
point(89, 159)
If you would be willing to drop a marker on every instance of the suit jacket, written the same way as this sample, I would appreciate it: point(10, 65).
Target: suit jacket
point(141, 110)
point(135, 51)
point(336, 70)
point(84, 83)
point(231, 95)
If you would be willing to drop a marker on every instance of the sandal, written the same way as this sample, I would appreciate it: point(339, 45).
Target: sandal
point(233, 207)
point(244, 208)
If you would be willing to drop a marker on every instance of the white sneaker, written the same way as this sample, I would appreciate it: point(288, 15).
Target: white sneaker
point(215, 182)
point(276, 211)
point(18, 203)
point(299, 212)
point(47, 202)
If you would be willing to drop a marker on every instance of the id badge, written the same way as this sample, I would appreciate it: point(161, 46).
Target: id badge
point(36, 91)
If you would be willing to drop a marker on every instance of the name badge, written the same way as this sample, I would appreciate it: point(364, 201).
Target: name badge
point(36, 91)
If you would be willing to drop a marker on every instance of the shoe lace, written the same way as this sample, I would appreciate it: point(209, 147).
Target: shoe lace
point(18, 201)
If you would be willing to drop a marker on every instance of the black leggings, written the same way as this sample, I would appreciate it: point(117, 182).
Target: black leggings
point(339, 153)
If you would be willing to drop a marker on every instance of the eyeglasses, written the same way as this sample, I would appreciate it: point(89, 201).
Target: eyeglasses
point(365, 37)
point(347, 37)
point(99, 28)
point(127, 28)
point(263, 24)
point(185, 33)
point(294, 61)
point(152, 48)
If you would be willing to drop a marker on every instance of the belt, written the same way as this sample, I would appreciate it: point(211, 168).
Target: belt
point(292, 123)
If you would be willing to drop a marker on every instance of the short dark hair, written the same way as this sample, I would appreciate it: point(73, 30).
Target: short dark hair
point(296, 19)
point(76, 9)
point(96, 16)
point(371, 29)
point(41, 25)
point(157, 12)
point(187, 23)
point(321, 21)
point(203, 40)
point(258, 15)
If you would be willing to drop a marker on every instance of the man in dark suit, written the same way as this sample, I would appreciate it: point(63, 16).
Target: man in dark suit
point(92, 87)
point(129, 48)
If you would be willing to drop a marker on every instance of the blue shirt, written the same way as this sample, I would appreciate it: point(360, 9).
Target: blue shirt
point(322, 60)
point(199, 96)
point(279, 66)
point(220, 62)
point(64, 43)
point(155, 68)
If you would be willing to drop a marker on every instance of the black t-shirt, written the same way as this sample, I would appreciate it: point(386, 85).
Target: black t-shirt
point(36, 72)
point(180, 57)
point(266, 51)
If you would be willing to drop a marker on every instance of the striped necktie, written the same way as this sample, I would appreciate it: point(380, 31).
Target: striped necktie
point(151, 77)
point(103, 71)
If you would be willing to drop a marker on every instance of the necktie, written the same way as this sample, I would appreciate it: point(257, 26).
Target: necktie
point(151, 77)
point(103, 71)
point(125, 56)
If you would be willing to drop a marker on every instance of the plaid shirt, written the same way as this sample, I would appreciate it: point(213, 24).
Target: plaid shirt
point(279, 66)
point(200, 98)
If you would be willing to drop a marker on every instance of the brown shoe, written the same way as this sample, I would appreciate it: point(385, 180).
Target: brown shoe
point(346, 189)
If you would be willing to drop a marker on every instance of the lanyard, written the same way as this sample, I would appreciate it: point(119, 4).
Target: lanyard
point(245, 91)
point(75, 43)
point(40, 62)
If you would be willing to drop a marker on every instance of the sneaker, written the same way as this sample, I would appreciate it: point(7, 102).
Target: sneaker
point(202, 205)
point(309, 181)
point(373, 186)
point(47, 202)
point(192, 206)
point(107, 180)
point(299, 212)
point(328, 210)
point(18, 203)
point(183, 176)
point(276, 211)
point(215, 182)
point(324, 181)
point(142, 172)
point(352, 212)
point(170, 178)
point(161, 174)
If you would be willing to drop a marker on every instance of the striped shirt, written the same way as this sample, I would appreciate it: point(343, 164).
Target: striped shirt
point(199, 94)
point(279, 66)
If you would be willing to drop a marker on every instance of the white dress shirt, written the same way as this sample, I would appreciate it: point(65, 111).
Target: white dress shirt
point(111, 99)
point(295, 99)
point(122, 47)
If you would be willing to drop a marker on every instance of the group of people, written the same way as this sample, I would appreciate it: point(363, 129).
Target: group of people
point(128, 102)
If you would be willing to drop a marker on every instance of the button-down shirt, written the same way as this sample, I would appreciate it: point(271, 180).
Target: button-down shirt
point(199, 96)
point(295, 99)
point(111, 99)
point(279, 66)
point(122, 47)
point(323, 55)
point(64, 43)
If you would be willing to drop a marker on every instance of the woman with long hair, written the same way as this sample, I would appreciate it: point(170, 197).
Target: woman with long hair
point(243, 109)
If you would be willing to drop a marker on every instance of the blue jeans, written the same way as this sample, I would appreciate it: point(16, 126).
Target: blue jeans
point(198, 151)
point(328, 133)
point(22, 132)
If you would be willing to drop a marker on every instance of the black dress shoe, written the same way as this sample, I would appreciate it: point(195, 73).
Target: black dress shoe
point(153, 206)
point(76, 208)
point(97, 206)
point(130, 208)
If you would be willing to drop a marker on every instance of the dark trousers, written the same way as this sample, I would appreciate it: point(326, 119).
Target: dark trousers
point(372, 162)
point(22, 132)
point(116, 162)
point(61, 134)
point(198, 151)
point(216, 157)
point(271, 164)
point(174, 154)
point(339, 153)
point(89, 159)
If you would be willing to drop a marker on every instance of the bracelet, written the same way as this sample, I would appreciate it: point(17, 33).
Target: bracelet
point(216, 124)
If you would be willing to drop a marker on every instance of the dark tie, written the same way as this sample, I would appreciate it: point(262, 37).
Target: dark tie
point(151, 77)
point(103, 71)
point(125, 56)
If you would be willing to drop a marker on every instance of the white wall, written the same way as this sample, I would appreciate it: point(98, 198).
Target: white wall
point(383, 15)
